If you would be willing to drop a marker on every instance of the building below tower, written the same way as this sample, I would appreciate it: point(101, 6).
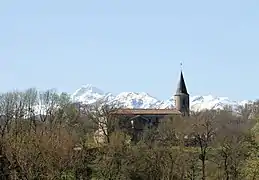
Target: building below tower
point(139, 119)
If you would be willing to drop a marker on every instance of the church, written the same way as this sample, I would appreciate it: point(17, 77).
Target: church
point(138, 119)
point(182, 106)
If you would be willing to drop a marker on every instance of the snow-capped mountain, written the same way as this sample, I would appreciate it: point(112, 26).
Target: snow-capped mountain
point(210, 102)
point(89, 94)
point(137, 100)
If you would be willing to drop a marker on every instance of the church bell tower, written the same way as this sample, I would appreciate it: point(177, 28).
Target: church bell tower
point(182, 97)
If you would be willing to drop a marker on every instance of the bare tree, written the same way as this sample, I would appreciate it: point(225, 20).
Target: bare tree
point(7, 111)
point(103, 115)
point(203, 133)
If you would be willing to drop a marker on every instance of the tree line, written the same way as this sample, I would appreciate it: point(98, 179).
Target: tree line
point(43, 135)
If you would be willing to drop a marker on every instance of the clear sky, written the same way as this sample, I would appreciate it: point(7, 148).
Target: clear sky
point(133, 45)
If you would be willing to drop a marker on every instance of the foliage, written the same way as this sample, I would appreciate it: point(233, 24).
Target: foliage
point(43, 135)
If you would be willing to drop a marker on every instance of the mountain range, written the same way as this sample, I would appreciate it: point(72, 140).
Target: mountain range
point(89, 94)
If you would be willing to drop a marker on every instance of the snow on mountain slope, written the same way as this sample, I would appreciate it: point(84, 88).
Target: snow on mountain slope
point(137, 100)
point(167, 104)
point(199, 103)
point(89, 94)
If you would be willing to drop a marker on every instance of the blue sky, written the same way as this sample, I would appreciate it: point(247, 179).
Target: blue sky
point(131, 46)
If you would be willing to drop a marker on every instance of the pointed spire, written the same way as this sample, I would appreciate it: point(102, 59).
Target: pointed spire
point(181, 88)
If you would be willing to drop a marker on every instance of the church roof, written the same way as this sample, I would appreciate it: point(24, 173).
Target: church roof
point(181, 88)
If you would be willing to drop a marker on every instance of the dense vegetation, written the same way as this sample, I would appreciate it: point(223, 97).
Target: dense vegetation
point(60, 144)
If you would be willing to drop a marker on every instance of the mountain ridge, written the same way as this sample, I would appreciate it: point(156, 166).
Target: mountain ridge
point(88, 94)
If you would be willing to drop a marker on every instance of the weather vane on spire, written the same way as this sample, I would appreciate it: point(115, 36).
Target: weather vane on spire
point(181, 66)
